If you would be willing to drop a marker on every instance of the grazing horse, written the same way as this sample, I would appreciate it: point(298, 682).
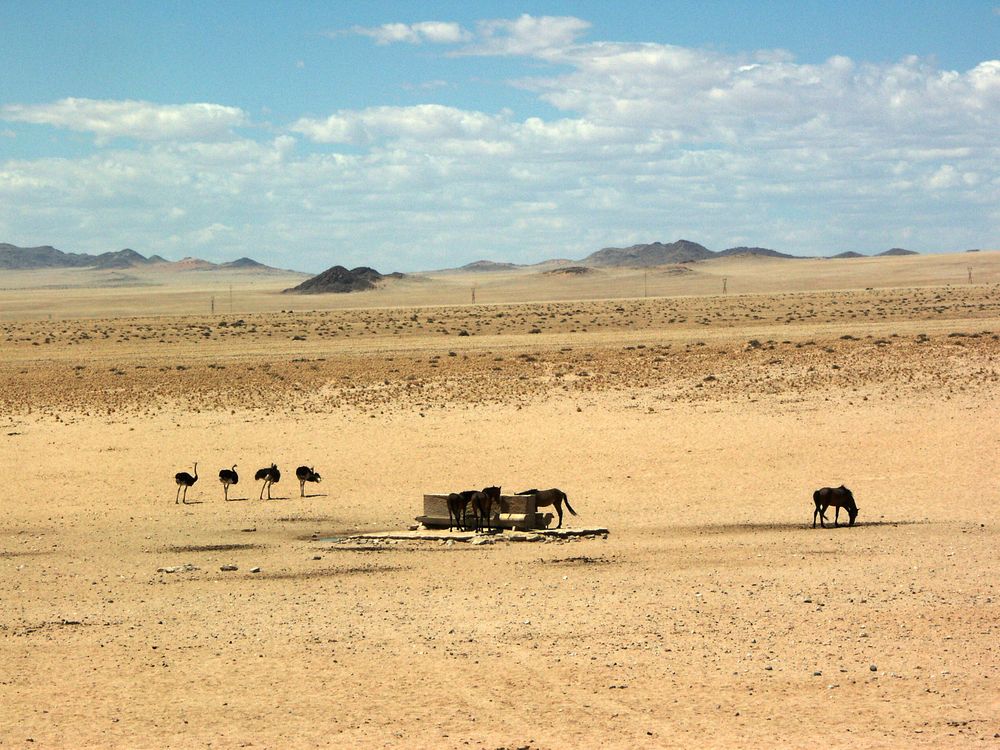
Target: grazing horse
point(554, 497)
point(838, 497)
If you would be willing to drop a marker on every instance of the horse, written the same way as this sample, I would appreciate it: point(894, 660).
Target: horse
point(554, 497)
point(838, 497)
point(482, 506)
point(458, 502)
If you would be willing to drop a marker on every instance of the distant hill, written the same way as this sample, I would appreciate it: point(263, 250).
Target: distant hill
point(848, 254)
point(247, 263)
point(488, 266)
point(338, 280)
point(897, 251)
point(643, 256)
point(13, 258)
point(126, 258)
point(570, 271)
point(756, 251)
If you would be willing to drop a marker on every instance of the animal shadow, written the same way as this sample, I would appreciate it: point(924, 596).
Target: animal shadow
point(751, 528)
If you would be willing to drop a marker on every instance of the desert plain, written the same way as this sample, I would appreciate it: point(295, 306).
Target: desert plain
point(693, 424)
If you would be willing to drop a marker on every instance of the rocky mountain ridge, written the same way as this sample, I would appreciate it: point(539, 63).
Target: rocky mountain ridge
point(14, 258)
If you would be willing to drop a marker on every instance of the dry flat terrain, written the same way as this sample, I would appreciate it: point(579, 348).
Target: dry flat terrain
point(694, 425)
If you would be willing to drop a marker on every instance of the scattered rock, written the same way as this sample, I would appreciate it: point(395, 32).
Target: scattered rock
point(229, 568)
point(185, 568)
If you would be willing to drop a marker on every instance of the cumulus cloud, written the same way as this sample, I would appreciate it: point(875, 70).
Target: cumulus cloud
point(436, 32)
point(527, 35)
point(765, 98)
point(422, 122)
point(145, 121)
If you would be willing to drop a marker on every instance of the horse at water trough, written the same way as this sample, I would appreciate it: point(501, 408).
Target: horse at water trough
point(482, 507)
point(458, 503)
point(838, 497)
point(554, 497)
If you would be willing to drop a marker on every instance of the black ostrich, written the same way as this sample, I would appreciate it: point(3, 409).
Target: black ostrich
point(228, 477)
point(270, 475)
point(306, 474)
point(185, 480)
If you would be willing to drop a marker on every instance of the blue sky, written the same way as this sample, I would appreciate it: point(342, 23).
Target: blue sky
point(410, 136)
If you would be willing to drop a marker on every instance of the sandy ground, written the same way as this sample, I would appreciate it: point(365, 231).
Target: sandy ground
point(694, 427)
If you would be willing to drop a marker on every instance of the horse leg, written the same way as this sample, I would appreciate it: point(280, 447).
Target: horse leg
point(177, 498)
point(836, 516)
point(558, 505)
point(822, 515)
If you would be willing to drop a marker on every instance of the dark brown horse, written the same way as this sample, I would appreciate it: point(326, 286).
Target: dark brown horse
point(458, 503)
point(555, 497)
point(482, 505)
point(838, 497)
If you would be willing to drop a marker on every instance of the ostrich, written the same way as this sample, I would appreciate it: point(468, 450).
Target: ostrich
point(228, 477)
point(306, 474)
point(185, 480)
point(270, 475)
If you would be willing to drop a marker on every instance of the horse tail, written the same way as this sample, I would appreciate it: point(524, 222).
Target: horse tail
point(568, 506)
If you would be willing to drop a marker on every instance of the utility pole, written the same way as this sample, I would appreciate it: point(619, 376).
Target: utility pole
point(230, 299)
point(213, 304)
point(725, 280)
point(473, 294)
point(645, 283)
point(970, 274)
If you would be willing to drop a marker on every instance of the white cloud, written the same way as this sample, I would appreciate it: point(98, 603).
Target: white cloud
point(527, 35)
point(423, 122)
point(145, 121)
point(435, 32)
